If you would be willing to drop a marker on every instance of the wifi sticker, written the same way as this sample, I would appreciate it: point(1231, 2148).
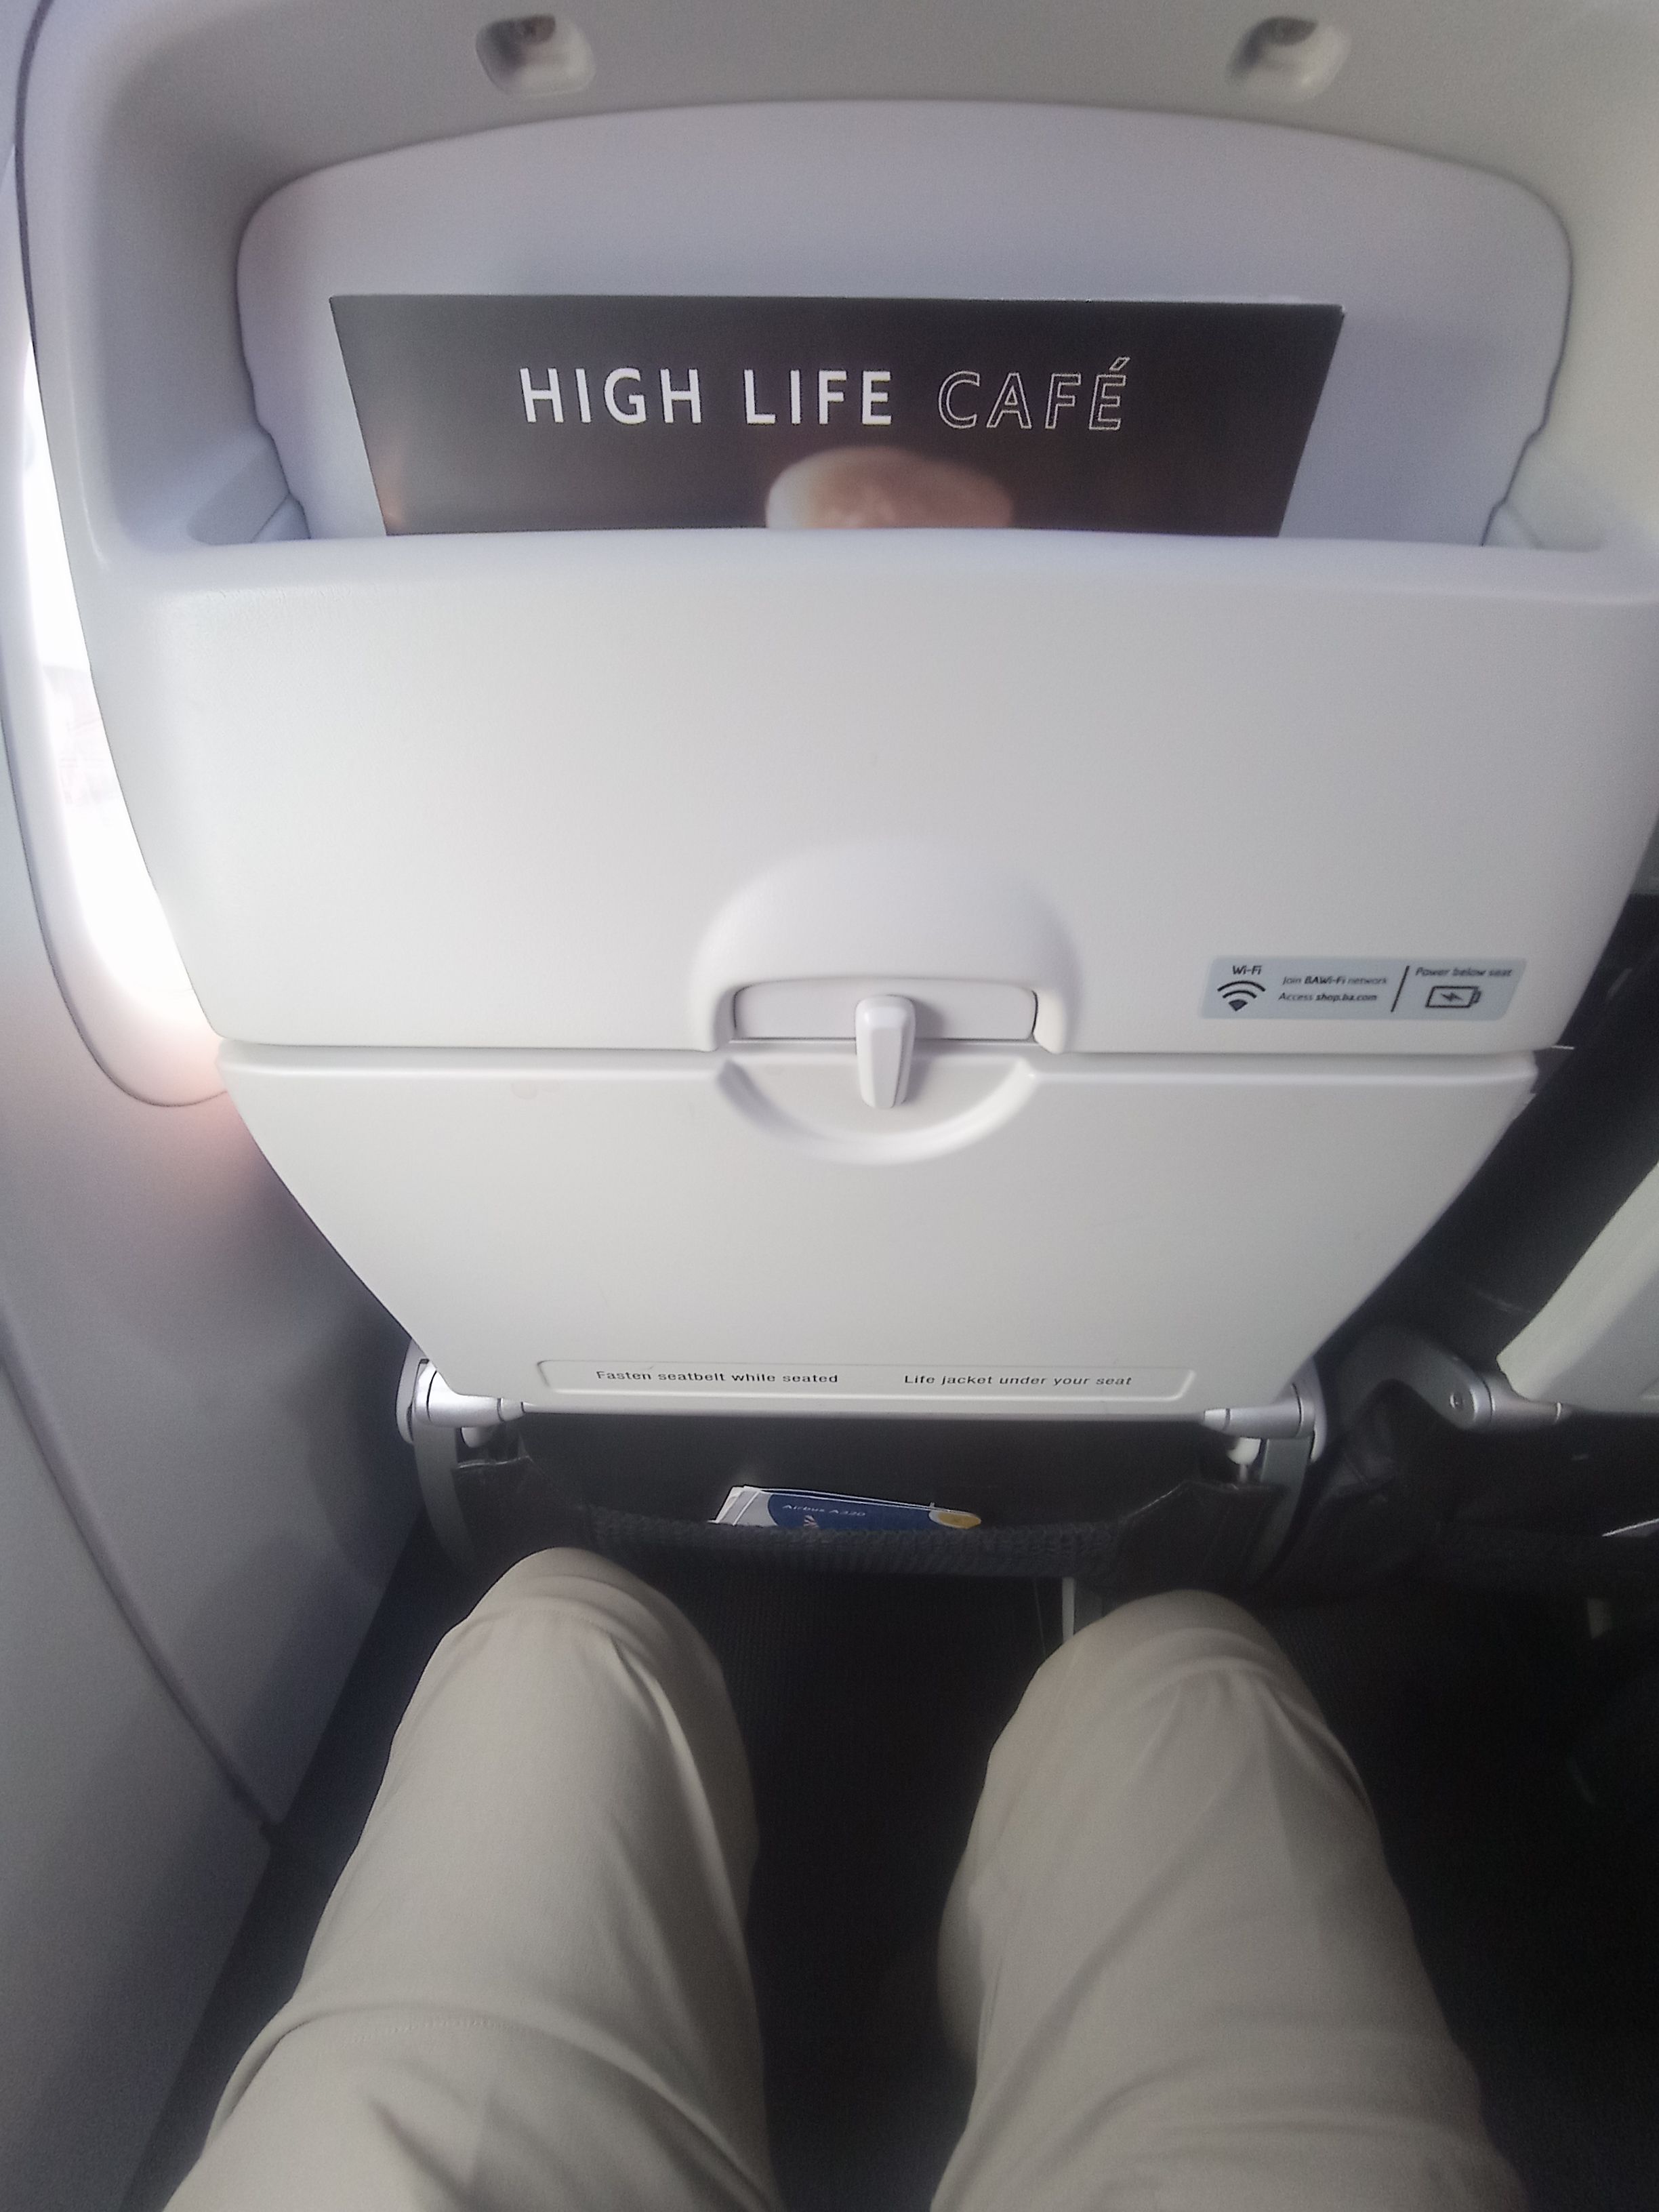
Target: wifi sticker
point(1323, 990)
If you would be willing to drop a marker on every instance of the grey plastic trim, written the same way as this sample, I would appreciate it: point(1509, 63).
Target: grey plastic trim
point(1467, 1397)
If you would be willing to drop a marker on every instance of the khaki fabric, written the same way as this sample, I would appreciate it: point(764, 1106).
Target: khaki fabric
point(1172, 1951)
point(1174, 1957)
point(530, 1988)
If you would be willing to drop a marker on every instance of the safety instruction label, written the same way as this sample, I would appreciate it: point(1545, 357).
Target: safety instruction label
point(1245, 988)
point(986, 1379)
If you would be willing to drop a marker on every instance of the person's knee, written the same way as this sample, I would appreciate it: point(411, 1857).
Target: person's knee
point(571, 1589)
point(565, 1572)
point(1153, 1644)
point(566, 1614)
point(1190, 1616)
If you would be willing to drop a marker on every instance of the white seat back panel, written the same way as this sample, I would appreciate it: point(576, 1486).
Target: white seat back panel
point(735, 1230)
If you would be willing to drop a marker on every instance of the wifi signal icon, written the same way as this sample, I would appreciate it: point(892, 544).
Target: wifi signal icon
point(1239, 992)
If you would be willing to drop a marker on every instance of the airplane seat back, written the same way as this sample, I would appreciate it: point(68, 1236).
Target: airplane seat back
point(688, 959)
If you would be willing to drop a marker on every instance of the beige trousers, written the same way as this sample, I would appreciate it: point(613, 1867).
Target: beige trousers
point(1172, 1954)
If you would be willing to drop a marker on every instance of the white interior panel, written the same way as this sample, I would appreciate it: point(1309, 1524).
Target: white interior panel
point(1144, 1238)
point(568, 790)
point(1595, 1344)
point(208, 1380)
point(1454, 283)
point(125, 1862)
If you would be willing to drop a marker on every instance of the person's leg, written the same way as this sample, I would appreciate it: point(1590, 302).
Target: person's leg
point(1175, 1959)
point(530, 1988)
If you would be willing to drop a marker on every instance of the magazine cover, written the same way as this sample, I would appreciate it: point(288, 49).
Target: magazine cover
point(483, 413)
